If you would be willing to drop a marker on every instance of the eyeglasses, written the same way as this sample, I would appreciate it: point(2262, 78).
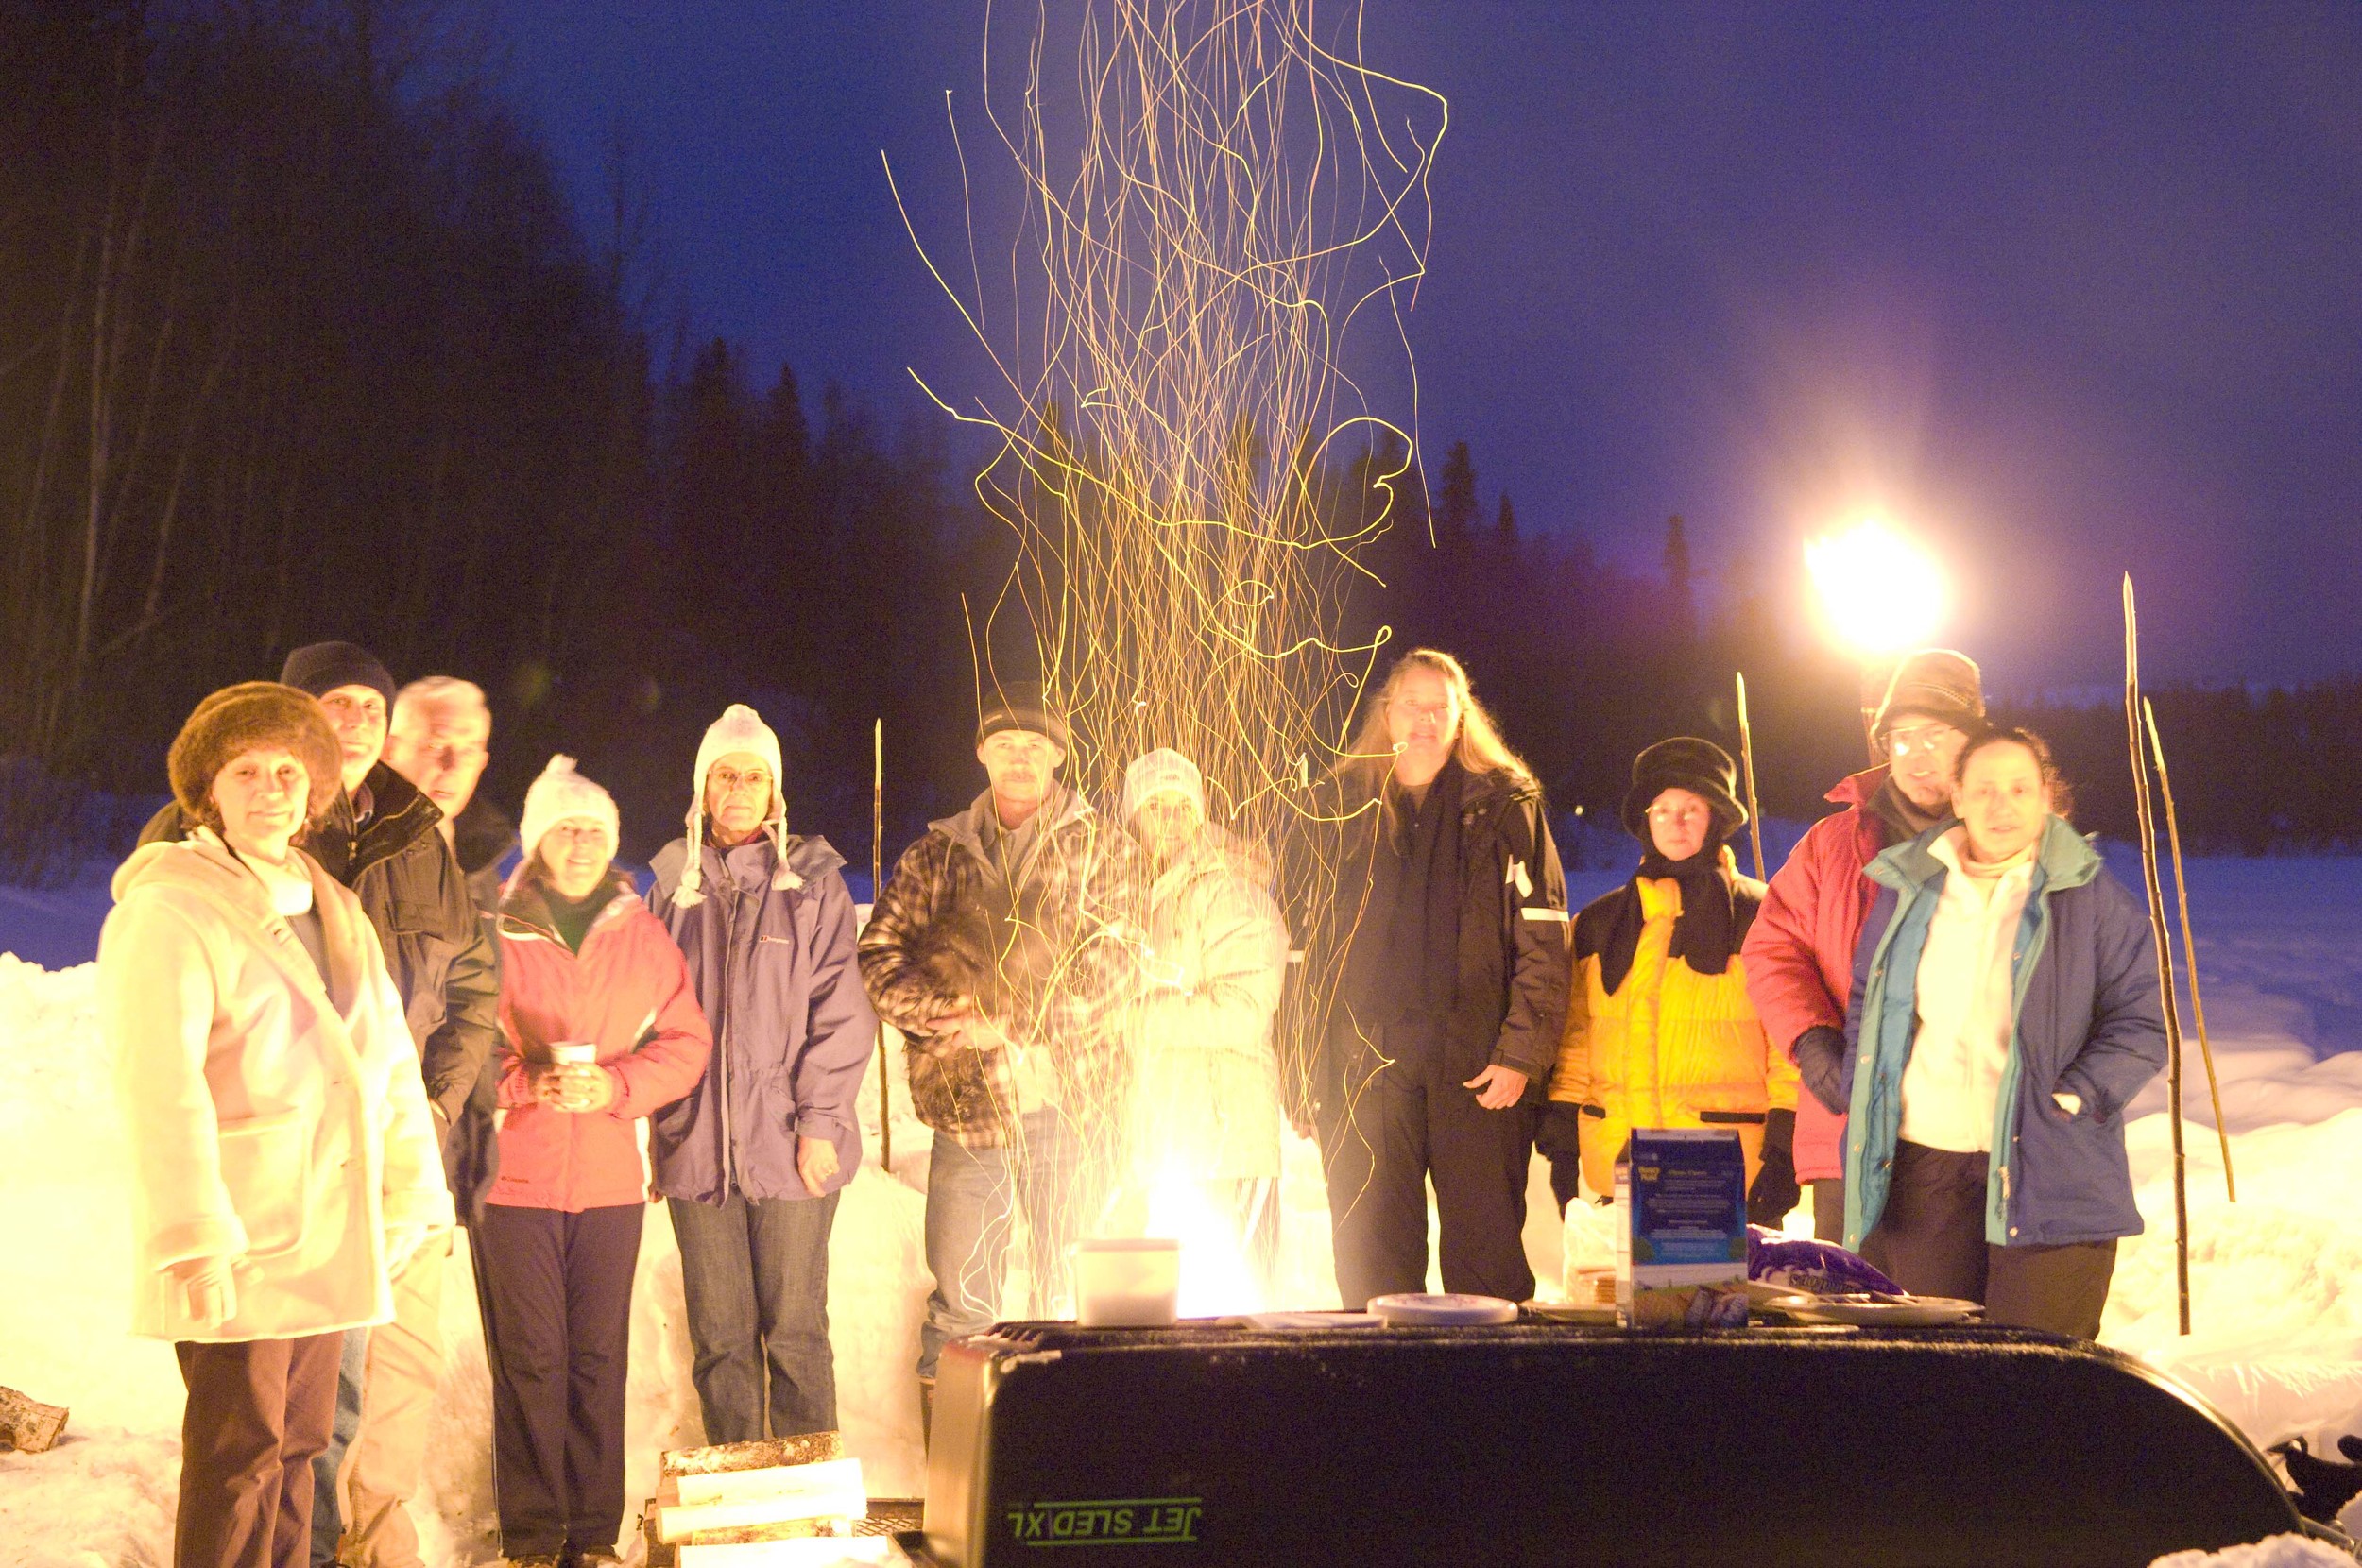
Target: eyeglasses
point(731, 781)
point(1919, 737)
point(571, 833)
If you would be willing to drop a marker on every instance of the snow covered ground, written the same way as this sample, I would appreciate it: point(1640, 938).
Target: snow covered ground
point(2276, 1297)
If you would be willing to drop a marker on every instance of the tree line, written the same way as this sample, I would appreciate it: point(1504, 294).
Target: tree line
point(301, 338)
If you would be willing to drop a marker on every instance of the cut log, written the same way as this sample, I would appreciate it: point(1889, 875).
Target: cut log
point(761, 1454)
point(777, 1481)
point(27, 1424)
point(773, 1496)
point(790, 1554)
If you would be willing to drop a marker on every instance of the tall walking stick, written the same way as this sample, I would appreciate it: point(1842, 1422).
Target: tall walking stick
point(2164, 953)
point(2190, 945)
point(877, 885)
point(1747, 763)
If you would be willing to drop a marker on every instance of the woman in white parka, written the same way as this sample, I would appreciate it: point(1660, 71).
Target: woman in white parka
point(282, 1157)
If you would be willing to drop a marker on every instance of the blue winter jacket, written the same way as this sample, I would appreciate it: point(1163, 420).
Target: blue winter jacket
point(2088, 1023)
point(793, 1029)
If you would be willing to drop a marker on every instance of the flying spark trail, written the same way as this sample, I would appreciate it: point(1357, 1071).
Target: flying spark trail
point(1225, 216)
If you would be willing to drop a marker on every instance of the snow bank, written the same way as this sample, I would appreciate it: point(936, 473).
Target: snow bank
point(2280, 1551)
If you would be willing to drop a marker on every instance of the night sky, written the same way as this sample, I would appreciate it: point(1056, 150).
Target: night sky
point(2063, 289)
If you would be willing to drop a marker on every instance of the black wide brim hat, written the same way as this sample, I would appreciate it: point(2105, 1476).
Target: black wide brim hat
point(1684, 762)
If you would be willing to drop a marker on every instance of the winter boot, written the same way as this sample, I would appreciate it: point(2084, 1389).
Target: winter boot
point(926, 1412)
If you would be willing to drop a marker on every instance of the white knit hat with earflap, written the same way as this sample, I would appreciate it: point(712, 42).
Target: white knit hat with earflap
point(739, 728)
point(1158, 772)
point(561, 793)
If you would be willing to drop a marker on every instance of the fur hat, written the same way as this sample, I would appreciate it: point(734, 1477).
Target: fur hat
point(1938, 683)
point(237, 720)
point(739, 728)
point(320, 668)
point(561, 793)
point(1160, 772)
point(1021, 705)
point(1684, 762)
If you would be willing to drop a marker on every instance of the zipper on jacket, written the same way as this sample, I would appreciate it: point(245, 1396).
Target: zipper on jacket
point(730, 1182)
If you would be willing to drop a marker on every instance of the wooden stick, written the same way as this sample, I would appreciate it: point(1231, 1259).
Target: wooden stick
point(2190, 945)
point(1747, 762)
point(876, 886)
point(2164, 953)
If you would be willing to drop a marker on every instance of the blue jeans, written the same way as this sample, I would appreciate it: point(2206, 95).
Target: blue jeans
point(972, 1196)
point(756, 1275)
point(327, 1521)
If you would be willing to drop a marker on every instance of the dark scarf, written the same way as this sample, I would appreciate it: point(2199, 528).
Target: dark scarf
point(571, 919)
point(1405, 964)
point(1706, 932)
point(530, 902)
point(1902, 820)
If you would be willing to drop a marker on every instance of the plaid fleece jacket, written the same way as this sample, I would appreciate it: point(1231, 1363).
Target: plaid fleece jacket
point(1058, 954)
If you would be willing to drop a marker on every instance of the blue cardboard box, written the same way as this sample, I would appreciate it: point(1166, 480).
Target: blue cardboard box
point(1681, 1252)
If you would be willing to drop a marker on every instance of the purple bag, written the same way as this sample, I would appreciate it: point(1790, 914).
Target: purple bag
point(1823, 1268)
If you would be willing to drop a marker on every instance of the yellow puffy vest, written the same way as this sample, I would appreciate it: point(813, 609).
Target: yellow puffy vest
point(1670, 1048)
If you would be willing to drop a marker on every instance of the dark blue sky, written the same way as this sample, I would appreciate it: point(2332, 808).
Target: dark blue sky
point(2066, 289)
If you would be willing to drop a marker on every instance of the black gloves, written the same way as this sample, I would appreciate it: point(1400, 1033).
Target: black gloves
point(1821, 1063)
point(1775, 1191)
point(1559, 1140)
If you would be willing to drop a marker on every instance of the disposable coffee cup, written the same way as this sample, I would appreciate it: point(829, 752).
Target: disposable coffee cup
point(1128, 1282)
point(574, 1054)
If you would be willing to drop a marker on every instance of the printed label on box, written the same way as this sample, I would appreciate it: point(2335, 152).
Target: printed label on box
point(1683, 1261)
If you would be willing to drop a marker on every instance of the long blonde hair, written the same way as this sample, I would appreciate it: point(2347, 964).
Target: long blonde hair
point(1479, 748)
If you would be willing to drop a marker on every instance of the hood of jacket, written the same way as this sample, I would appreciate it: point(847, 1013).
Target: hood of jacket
point(1216, 852)
point(399, 815)
point(524, 907)
point(808, 861)
point(206, 867)
point(1857, 788)
point(966, 829)
point(2065, 859)
point(482, 836)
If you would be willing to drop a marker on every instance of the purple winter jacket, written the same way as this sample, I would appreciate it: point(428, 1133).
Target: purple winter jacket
point(793, 1029)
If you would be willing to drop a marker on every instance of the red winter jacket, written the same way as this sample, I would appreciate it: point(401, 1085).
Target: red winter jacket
point(628, 992)
point(1800, 951)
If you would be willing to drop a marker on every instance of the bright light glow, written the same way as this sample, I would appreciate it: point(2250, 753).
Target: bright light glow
point(1217, 1277)
point(1880, 594)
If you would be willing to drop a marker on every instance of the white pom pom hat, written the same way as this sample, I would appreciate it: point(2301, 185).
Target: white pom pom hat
point(739, 729)
point(561, 793)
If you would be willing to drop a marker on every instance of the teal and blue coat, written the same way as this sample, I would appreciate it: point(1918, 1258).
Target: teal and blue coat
point(2087, 1021)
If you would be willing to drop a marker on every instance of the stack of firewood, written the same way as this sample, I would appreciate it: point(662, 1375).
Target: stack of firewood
point(755, 1505)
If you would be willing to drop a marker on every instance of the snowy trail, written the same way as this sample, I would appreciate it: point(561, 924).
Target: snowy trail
point(2277, 1278)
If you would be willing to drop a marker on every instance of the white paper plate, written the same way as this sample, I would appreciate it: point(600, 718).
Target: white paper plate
point(1458, 1311)
point(1918, 1312)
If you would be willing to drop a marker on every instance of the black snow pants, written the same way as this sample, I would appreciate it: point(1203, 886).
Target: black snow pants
point(1394, 1129)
